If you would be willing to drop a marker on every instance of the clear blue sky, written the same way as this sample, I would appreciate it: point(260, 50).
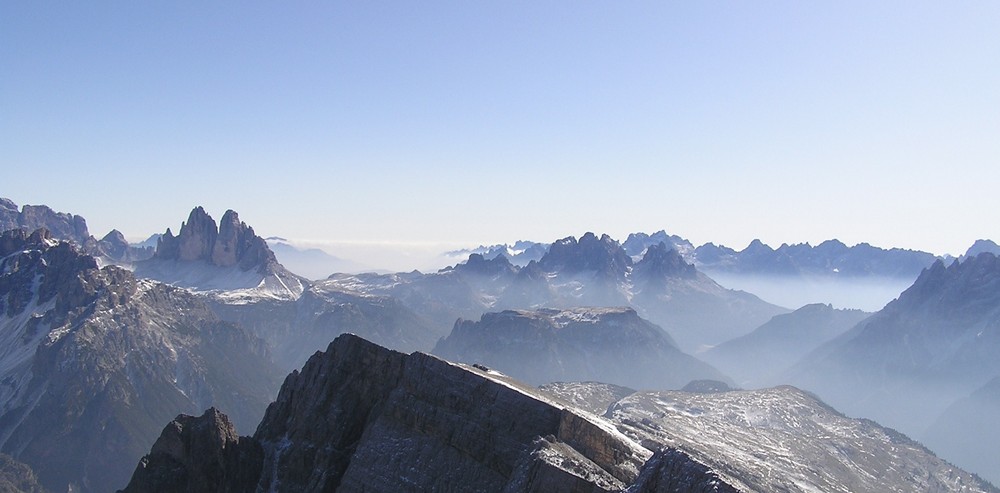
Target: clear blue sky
point(478, 122)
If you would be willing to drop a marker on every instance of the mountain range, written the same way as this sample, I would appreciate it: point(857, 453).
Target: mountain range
point(93, 360)
point(98, 358)
point(590, 272)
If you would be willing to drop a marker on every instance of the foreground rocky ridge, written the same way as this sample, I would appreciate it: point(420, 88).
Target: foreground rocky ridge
point(363, 418)
point(92, 362)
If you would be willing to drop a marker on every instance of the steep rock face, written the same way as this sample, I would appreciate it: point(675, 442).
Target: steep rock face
point(93, 361)
point(774, 347)
point(671, 470)
point(229, 259)
point(363, 417)
point(579, 344)
point(603, 255)
point(60, 225)
point(199, 454)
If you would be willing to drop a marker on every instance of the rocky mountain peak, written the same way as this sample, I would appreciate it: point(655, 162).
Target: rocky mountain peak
point(477, 264)
point(62, 225)
point(981, 246)
point(603, 255)
point(964, 282)
point(230, 243)
point(661, 261)
point(757, 247)
point(208, 451)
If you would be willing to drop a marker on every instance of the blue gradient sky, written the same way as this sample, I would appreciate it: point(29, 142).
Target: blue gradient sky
point(479, 122)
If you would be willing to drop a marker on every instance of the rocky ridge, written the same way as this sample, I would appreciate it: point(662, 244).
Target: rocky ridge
point(364, 417)
point(112, 249)
point(93, 361)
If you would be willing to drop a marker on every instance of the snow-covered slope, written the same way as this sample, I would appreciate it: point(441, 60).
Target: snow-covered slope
point(783, 439)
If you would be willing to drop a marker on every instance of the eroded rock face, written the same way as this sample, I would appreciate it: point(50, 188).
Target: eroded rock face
point(228, 258)
point(199, 454)
point(363, 417)
point(61, 225)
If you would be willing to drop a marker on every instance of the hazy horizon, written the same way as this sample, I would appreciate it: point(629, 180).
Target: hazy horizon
point(486, 123)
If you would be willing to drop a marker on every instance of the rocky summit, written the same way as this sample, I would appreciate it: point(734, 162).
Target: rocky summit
point(61, 225)
point(228, 257)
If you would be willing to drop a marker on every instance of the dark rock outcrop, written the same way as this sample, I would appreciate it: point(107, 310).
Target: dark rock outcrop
point(672, 471)
point(199, 455)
